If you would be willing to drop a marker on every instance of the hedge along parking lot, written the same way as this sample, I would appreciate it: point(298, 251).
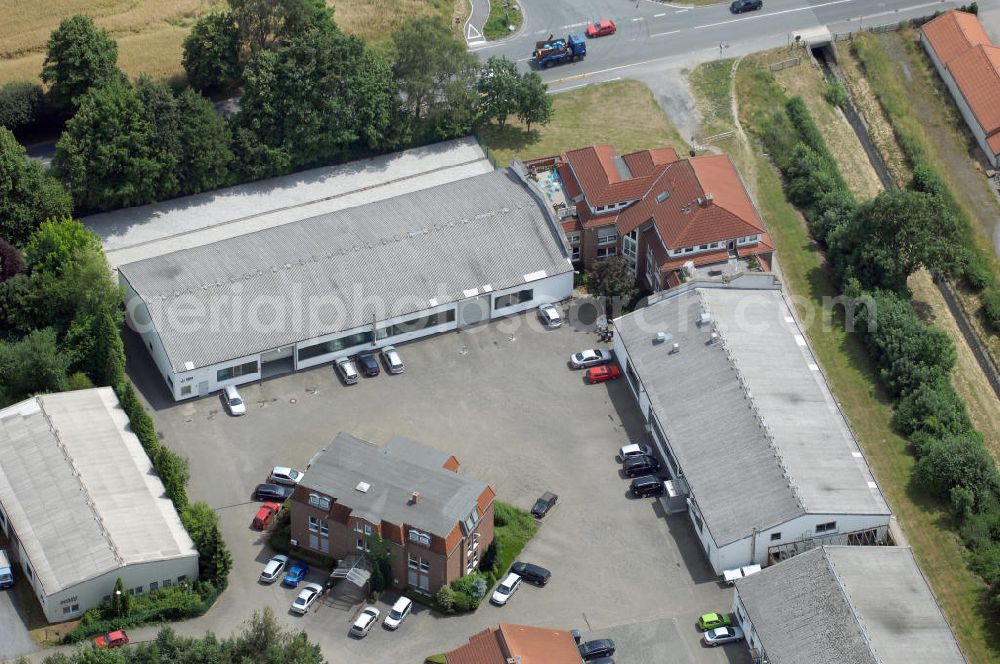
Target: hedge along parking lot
point(502, 400)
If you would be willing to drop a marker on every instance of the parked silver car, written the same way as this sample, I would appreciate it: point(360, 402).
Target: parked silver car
point(393, 362)
point(549, 316)
point(348, 372)
point(591, 357)
point(720, 635)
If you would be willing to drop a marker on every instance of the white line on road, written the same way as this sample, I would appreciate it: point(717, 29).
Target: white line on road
point(583, 85)
point(660, 34)
point(659, 15)
point(681, 11)
point(637, 19)
point(783, 11)
point(524, 59)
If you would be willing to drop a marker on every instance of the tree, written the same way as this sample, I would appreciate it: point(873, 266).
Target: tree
point(315, 97)
point(174, 472)
point(534, 104)
point(79, 57)
point(933, 407)
point(212, 53)
point(160, 110)
point(20, 102)
point(895, 234)
point(214, 559)
point(121, 601)
point(56, 244)
point(436, 77)
point(262, 24)
point(205, 144)
point(499, 86)
point(32, 365)
point(959, 461)
point(28, 195)
point(11, 261)
point(108, 155)
point(379, 557)
point(610, 279)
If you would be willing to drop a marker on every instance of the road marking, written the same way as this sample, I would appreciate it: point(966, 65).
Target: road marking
point(681, 11)
point(660, 34)
point(583, 85)
point(637, 19)
point(659, 15)
point(524, 59)
point(783, 11)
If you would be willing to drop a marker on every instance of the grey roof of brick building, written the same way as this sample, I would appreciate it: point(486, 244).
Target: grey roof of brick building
point(388, 258)
point(392, 474)
point(848, 605)
point(755, 428)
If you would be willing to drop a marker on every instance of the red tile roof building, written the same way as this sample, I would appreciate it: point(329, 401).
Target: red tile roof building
point(520, 643)
point(661, 212)
point(969, 64)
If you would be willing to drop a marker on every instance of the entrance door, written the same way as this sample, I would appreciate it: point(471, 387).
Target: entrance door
point(277, 361)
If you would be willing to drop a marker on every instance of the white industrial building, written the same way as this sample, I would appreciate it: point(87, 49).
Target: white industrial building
point(844, 605)
point(292, 293)
point(81, 505)
point(765, 463)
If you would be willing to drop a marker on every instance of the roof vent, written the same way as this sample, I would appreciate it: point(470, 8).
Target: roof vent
point(363, 487)
point(705, 319)
point(709, 197)
point(701, 202)
point(713, 338)
point(662, 337)
point(676, 348)
point(414, 497)
point(662, 196)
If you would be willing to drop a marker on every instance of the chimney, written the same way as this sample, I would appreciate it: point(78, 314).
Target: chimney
point(414, 497)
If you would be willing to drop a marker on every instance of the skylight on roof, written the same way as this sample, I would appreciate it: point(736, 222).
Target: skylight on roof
point(662, 196)
point(363, 487)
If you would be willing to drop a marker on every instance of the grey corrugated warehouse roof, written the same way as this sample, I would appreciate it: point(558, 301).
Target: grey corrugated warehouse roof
point(80, 491)
point(390, 258)
point(755, 428)
point(446, 497)
point(848, 605)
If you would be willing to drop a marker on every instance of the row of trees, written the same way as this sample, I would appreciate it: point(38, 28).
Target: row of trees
point(873, 247)
point(310, 95)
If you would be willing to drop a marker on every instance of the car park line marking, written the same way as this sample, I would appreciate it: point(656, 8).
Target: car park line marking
point(783, 11)
point(660, 34)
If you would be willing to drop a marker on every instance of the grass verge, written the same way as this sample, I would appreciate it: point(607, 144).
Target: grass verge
point(580, 118)
point(512, 528)
point(849, 371)
point(502, 18)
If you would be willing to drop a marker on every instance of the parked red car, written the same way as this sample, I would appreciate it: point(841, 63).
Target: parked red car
point(264, 515)
point(601, 28)
point(113, 639)
point(601, 374)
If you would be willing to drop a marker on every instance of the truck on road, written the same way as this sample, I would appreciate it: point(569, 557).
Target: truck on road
point(556, 51)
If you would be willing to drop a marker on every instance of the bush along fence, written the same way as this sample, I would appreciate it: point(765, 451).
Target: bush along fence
point(202, 523)
point(872, 247)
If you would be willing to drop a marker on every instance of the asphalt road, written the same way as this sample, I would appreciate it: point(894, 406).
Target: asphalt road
point(655, 34)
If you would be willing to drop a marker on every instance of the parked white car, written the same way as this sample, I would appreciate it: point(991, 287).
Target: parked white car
point(347, 370)
point(398, 613)
point(234, 402)
point(285, 475)
point(363, 625)
point(505, 589)
point(393, 362)
point(306, 597)
point(273, 569)
point(591, 357)
point(549, 316)
point(634, 450)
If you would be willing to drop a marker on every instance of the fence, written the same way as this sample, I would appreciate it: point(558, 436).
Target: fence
point(489, 153)
point(785, 64)
point(891, 27)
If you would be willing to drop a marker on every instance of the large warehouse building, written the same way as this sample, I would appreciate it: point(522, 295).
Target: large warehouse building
point(81, 505)
point(743, 416)
point(307, 292)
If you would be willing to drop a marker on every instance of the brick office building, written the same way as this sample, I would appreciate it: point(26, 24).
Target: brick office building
point(664, 214)
point(437, 521)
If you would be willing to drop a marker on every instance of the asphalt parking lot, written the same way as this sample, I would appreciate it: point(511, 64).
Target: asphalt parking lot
point(501, 398)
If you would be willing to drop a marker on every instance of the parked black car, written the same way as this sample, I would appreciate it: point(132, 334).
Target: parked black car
point(591, 650)
point(273, 492)
point(740, 6)
point(531, 573)
point(544, 504)
point(647, 485)
point(639, 465)
point(368, 364)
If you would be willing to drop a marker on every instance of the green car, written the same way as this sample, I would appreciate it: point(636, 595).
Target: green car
point(709, 621)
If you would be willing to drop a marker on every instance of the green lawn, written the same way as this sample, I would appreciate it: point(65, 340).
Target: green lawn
point(850, 374)
point(586, 116)
point(710, 83)
point(512, 528)
point(496, 26)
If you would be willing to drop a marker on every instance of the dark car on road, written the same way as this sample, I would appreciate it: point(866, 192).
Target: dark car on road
point(369, 367)
point(740, 6)
point(544, 504)
point(531, 573)
point(591, 650)
point(640, 465)
point(275, 492)
point(647, 485)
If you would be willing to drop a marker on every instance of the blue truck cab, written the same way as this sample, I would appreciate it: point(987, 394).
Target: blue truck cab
point(6, 573)
point(556, 51)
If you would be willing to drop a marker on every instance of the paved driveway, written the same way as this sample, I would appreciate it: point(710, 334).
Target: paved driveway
point(501, 398)
point(14, 638)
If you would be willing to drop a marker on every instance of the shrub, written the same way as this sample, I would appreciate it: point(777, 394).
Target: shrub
point(991, 308)
point(932, 407)
point(20, 102)
point(977, 273)
point(836, 94)
point(926, 179)
point(445, 599)
point(959, 461)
